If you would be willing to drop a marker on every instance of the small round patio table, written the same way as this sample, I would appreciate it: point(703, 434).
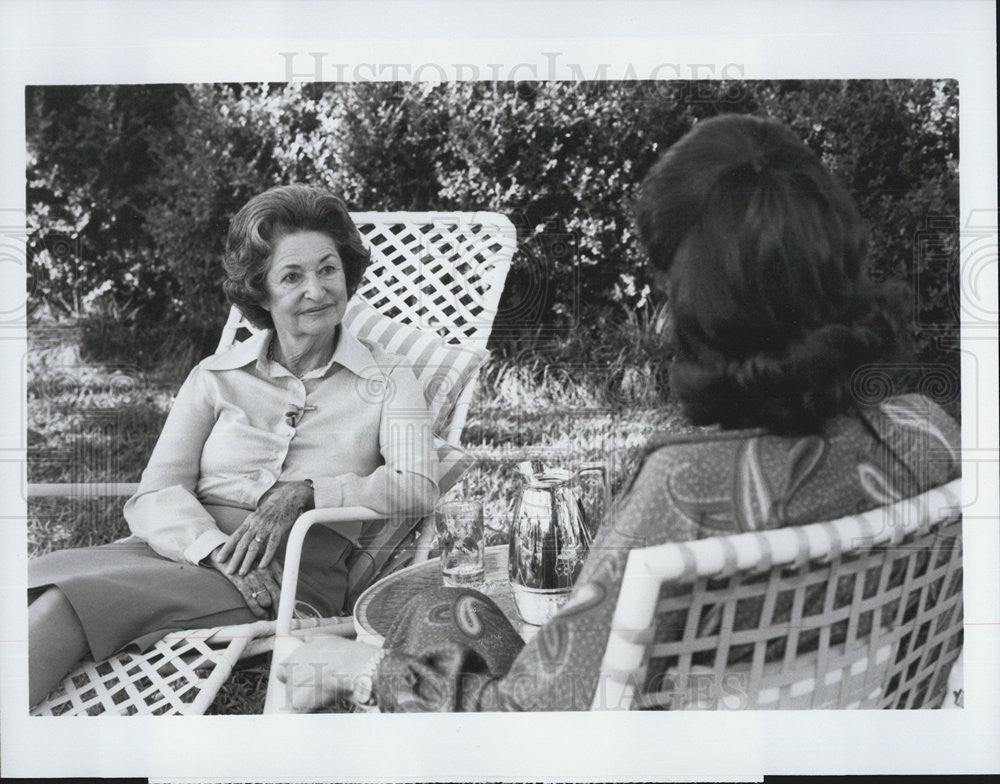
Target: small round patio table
point(378, 606)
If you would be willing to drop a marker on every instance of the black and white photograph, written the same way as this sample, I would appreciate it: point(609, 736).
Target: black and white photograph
point(648, 395)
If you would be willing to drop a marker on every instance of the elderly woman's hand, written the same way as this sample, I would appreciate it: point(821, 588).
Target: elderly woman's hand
point(323, 671)
point(261, 533)
point(260, 588)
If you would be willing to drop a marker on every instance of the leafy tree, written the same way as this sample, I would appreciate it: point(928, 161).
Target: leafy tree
point(130, 188)
point(90, 182)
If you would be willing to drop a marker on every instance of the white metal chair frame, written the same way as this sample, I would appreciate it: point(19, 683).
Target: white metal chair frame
point(438, 271)
point(624, 669)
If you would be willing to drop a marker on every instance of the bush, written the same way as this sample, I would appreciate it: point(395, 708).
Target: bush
point(140, 182)
point(91, 180)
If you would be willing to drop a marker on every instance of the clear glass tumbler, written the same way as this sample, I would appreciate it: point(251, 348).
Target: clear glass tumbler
point(460, 537)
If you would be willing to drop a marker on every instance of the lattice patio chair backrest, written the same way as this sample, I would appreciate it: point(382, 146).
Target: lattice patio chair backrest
point(438, 271)
point(861, 612)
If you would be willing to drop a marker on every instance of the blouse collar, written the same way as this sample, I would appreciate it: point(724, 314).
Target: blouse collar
point(350, 353)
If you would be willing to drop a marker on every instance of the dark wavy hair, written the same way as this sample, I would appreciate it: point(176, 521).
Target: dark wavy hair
point(274, 214)
point(763, 253)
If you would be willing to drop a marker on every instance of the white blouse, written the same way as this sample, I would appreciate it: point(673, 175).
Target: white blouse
point(360, 430)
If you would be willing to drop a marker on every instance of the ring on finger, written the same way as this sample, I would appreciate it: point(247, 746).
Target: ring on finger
point(258, 539)
point(255, 594)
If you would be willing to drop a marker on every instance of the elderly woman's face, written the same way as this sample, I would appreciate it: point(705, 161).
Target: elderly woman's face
point(305, 285)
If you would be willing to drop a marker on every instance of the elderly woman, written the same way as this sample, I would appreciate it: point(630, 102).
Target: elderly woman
point(302, 414)
point(762, 252)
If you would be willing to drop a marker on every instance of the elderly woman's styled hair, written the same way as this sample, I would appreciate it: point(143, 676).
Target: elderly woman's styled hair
point(268, 217)
point(763, 252)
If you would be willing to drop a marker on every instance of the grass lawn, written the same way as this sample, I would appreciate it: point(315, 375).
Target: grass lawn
point(90, 423)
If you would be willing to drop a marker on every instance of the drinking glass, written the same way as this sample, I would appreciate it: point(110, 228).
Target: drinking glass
point(460, 537)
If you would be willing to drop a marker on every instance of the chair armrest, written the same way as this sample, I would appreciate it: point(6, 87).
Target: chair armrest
point(80, 489)
point(284, 643)
point(293, 553)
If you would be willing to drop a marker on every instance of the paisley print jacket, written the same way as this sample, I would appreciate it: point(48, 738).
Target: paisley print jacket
point(452, 649)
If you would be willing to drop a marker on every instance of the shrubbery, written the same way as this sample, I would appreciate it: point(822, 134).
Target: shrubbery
point(130, 188)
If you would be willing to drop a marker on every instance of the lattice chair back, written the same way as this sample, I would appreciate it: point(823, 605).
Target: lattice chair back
point(441, 273)
point(861, 612)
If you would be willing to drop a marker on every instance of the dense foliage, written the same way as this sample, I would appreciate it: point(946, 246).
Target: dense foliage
point(130, 188)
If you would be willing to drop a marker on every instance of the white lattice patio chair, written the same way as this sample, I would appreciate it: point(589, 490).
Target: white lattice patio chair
point(861, 612)
point(431, 294)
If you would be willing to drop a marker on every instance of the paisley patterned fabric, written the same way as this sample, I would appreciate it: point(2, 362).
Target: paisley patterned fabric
point(442, 632)
point(452, 650)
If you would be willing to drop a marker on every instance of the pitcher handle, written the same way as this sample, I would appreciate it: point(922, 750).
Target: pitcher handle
point(605, 483)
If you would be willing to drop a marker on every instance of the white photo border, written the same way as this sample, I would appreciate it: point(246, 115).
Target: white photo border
point(91, 42)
